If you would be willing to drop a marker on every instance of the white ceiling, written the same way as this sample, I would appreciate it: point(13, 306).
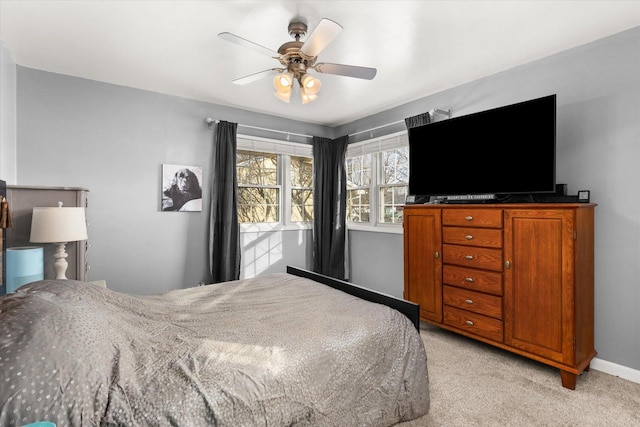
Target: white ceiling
point(418, 47)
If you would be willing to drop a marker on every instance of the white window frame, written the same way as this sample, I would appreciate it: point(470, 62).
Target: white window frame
point(367, 187)
point(381, 186)
point(284, 150)
point(374, 147)
point(293, 187)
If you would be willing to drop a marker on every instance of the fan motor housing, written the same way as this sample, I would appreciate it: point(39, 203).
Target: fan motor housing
point(292, 58)
point(290, 48)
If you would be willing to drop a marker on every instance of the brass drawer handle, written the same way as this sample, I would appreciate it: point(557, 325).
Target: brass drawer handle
point(468, 218)
point(468, 237)
point(436, 254)
point(469, 301)
point(469, 257)
point(468, 279)
point(468, 322)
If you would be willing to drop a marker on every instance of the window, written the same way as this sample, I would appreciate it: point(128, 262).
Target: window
point(358, 188)
point(394, 169)
point(258, 187)
point(301, 178)
point(275, 182)
point(377, 180)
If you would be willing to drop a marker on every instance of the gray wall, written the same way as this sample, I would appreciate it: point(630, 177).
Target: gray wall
point(271, 252)
point(113, 140)
point(377, 261)
point(7, 116)
point(598, 149)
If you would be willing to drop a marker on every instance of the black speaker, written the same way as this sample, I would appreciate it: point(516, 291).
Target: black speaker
point(561, 189)
point(554, 198)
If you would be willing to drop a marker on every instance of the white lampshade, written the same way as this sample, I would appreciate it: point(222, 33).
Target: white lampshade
point(306, 96)
point(284, 95)
point(283, 82)
point(56, 225)
point(310, 84)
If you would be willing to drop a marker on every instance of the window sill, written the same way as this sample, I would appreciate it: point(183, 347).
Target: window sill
point(272, 227)
point(268, 227)
point(386, 228)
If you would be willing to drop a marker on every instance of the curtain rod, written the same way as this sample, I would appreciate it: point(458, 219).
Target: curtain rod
point(431, 112)
point(211, 121)
point(376, 128)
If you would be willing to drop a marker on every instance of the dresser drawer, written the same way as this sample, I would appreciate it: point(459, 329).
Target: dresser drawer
point(470, 256)
point(485, 237)
point(491, 218)
point(488, 305)
point(473, 323)
point(477, 280)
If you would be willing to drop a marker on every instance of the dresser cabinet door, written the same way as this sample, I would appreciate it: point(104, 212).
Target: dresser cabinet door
point(423, 261)
point(538, 282)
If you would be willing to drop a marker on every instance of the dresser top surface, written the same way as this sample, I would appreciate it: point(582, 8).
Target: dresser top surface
point(501, 206)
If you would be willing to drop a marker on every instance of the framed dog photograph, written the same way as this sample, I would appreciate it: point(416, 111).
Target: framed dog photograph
point(181, 188)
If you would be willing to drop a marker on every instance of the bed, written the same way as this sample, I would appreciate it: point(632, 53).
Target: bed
point(294, 348)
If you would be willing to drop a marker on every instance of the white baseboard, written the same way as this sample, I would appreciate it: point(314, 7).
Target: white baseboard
point(616, 370)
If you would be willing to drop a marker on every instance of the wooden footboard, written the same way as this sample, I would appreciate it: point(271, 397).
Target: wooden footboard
point(409, 309)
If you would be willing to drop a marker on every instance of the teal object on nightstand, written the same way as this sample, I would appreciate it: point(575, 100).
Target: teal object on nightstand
point(24, 265)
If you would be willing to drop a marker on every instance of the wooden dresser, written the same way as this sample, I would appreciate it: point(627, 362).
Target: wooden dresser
point(517, 276)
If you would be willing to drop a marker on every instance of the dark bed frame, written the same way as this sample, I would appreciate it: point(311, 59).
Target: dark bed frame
point(409, 309)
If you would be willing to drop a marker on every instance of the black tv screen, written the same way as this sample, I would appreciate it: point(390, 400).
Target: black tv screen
point(502, 151)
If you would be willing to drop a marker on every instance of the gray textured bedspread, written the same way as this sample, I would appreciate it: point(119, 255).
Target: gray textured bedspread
point(278, 350)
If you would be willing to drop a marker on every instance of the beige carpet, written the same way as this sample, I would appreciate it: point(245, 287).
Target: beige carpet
point(474, 384)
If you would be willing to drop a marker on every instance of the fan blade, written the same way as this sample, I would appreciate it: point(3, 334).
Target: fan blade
point(246, 43)
point(346, 70)
point(322, 35)
point(256, 76)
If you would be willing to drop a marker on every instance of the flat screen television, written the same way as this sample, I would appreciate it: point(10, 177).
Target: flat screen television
point(491, 154)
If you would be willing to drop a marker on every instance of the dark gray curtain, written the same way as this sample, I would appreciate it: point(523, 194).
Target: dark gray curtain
point(224, 232)
point(329, 206)
point(415, 121)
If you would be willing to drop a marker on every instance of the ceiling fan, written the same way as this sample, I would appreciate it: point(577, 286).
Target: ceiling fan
point(297, 58)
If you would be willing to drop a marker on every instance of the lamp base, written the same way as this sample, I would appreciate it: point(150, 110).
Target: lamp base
point(60, 264)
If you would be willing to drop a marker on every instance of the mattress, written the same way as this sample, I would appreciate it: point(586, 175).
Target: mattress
point(270, 351)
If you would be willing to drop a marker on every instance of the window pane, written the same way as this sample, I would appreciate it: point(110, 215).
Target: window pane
point(395, 166)
point(301, 189)
point(301, 205)
point(254, 168)
point(258, 204)
point(258, 194)
point(359, 171)
point(358, 181)
point(301, 172)
point(392, 198)
point(358, 208)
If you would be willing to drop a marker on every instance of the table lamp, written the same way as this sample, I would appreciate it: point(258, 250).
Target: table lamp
point(60, 226)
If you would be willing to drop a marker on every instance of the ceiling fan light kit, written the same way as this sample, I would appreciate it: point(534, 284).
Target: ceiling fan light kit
point(297, 58)
point(283, 95)
point(284, 80)
point(307, 97)
point(310, 84)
